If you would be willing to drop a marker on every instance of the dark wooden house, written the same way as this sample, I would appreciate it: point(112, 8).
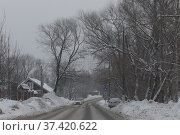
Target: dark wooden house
point(32, 87)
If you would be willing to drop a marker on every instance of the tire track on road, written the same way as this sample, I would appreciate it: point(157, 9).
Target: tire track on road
point(87, 113)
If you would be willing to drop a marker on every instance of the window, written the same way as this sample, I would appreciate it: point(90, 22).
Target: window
point(31, 85)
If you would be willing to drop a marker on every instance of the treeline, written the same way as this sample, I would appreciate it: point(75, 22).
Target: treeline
point(15, 66)
point(139, 39)
point(135, 41)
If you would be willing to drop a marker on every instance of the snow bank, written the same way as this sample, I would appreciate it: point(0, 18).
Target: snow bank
point(146, 110)
point(90, 97)
point(103, 103)
point(33, 106)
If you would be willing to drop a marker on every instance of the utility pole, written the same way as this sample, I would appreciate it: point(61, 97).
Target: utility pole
point(109, 77)
point(124, 66)
point(177, 52)
point(42, 92)
point(177, 49)
point(8, 72)
point(124, 91)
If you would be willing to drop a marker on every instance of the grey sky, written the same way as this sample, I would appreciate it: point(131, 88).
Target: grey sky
point(24, 16)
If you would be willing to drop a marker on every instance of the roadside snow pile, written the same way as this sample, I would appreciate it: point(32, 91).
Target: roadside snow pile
point(57, 100)
point(103, 103)
point(146, 110)
point(90, 97)
point(33, 106)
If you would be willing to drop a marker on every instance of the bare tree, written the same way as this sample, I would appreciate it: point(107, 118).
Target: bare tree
point(63, 40)
point(141, 34)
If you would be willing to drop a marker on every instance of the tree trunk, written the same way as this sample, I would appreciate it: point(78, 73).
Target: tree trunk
point(56, 85)
point(159, 90)
point(136, 85)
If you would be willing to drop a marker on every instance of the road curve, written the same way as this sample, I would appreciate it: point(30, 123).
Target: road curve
point(88, 111)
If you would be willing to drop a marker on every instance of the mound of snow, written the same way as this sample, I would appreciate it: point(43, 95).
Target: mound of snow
point(146, 110)
point(33, 106)
point(103, 103)
point(55, 99)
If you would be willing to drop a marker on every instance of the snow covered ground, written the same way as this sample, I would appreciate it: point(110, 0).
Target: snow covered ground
point(146, 110)
point(12, 109)
point(90, 97)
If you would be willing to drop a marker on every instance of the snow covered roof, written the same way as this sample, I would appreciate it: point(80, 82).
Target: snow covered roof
point(36, 81)
point(25, 86)
point(45, 86)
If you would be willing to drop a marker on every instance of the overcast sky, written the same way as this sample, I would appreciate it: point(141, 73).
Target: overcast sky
point(24, 16)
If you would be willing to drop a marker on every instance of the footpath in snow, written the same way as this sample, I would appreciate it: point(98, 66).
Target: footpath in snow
point(10, 109)
point(146, 110)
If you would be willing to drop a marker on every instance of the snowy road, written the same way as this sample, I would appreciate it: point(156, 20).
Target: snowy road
point(88, 111)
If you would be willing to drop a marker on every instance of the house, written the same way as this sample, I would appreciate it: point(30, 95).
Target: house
point(32, 87)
